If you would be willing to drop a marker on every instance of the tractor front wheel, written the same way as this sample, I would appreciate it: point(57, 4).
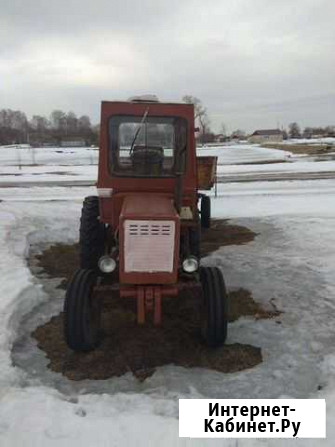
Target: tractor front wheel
point(91, 234)
point(82, 312)
point(215, 301)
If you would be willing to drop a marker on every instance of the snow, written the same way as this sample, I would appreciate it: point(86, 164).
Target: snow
point(301, 166)
point(78, 166)
point(322, 140)
point(243, 153)
point(291, 261)
point(257, 199)
point(23, 155)
point(42, 193)
point(12, 175)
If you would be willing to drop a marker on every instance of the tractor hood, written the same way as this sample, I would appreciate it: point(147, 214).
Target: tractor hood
point(148, 206)
point(149, 240)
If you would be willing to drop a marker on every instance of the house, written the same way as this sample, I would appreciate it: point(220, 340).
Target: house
point(221, 138)
point(266, 136)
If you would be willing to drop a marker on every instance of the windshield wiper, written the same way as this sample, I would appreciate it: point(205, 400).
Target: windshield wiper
point(144, 117)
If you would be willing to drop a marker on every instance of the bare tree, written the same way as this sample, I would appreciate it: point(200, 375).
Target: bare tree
point(19, 120)
point(6, 118)
point(71, 123)
point(200, 114)
point(223, 129)
point(330, 131)
point(39, 123)
point(308, 132)
point(84, 122)
point(57, 119)
point(294, 130)
point(15, 128)
point(238, 133)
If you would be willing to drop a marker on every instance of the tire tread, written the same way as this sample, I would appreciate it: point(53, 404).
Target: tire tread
point(78, 335)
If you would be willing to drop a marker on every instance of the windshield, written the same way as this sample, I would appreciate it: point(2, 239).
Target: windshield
point(145, 146)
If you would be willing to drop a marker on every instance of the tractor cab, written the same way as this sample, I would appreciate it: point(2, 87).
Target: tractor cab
point(140, 236)
point(147, 147)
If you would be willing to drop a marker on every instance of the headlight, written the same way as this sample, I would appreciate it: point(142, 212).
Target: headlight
point(191, 264)
point(107, 264)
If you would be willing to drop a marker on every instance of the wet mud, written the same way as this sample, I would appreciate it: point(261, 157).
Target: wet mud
point(128, 347)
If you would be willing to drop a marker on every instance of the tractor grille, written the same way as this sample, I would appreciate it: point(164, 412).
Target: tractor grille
point(149, 245)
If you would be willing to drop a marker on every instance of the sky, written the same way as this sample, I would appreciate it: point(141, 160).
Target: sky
point(253, 63)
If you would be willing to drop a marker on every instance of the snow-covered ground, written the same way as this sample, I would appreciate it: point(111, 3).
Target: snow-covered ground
point(276, 168)
point(11, 175)
point(22, 155)
point(243, 153)
point(291, 262)
point(21, 160)
point(79, 165)
point(321, 140)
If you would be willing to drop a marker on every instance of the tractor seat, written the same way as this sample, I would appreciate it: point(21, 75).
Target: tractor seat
point(147, 160)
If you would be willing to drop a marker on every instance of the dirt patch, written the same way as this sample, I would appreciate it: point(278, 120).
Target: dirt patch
point(10, 175)
point(222, 233)
point(127, 347)
point(308, 149)
point(54, 173)
point(60, 261)
point(241, 303)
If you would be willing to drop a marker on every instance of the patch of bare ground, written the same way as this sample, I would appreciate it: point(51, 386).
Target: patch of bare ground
point(241, 303)
point(308, 149)
point(223, 233)
point(127, 347)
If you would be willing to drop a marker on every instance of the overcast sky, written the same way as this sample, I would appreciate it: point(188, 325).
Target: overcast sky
point(253, 63)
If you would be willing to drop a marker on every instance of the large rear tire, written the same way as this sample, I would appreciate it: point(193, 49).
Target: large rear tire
point(205, 212)
point(82, 312)
point(215, 318)
point(194, 240)
point(91, 234)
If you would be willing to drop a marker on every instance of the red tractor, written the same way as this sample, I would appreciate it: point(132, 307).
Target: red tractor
point(140, 236)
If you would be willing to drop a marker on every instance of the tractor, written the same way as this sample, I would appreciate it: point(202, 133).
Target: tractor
point(140, 235)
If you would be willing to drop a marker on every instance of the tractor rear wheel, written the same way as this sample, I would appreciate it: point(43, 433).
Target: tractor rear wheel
point(194, 240)
point(82, 312)
point(215, 306)
point(205, 212)
point(91, 234)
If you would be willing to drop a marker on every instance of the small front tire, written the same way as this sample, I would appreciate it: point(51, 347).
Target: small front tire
point(82, 312)
point(91, 234)
point(215, 301)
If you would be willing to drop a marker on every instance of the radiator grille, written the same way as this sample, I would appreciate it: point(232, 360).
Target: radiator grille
point(149, 245)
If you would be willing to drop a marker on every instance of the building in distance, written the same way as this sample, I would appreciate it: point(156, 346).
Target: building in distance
point(266, 136)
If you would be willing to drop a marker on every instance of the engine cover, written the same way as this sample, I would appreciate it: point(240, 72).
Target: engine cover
point(149, 240)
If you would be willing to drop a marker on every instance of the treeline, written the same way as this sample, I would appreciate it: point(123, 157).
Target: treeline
point(60, 127)
point(310, 132)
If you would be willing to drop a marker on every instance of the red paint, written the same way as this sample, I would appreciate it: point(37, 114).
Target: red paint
point(111, 207)
point(147, 199)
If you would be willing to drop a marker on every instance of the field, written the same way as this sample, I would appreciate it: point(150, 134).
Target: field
point(302, 148)
point(273, 238)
